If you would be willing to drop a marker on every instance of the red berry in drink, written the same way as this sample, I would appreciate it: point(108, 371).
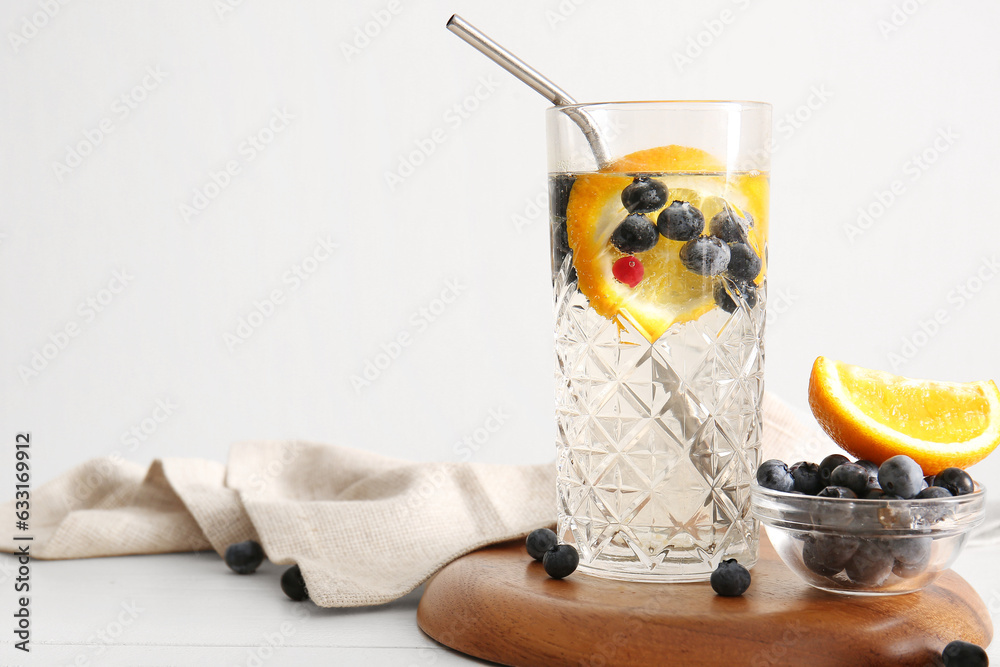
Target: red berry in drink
point(628, 270)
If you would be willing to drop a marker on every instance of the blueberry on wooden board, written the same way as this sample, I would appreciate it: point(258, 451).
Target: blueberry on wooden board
point(560, 561)
point(964, 654)
point(539, 541)
point(730, 579)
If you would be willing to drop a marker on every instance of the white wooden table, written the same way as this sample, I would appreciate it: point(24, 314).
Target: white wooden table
point(188, 609)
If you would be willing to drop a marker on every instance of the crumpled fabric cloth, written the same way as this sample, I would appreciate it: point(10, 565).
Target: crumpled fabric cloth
point(365, 529)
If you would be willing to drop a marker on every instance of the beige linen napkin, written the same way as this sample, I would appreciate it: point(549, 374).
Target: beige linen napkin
point(365, 529)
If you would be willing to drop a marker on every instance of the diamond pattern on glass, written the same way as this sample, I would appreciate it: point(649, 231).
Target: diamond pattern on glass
point(657, 443)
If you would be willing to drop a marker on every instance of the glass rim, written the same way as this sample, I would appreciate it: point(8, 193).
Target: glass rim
point(742, 105)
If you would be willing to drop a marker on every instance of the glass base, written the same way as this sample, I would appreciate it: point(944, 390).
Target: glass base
point(695, 566)
point(657, 577)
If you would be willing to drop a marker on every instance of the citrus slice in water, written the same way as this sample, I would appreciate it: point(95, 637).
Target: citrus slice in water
point(876, 415)
point(669, 293)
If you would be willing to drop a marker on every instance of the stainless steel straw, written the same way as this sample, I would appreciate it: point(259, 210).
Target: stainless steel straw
point(538, 83)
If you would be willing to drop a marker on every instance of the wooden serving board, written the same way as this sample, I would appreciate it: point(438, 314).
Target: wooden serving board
point(498, 604)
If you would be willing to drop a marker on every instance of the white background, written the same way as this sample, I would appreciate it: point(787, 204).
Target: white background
point(884, 96)
point(871, 85)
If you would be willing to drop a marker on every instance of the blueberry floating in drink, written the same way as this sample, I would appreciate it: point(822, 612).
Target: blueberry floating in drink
point(744, 264)
point(680, 222)
point(729, 227)
point(644, 195)
point(636, 233)
point(705, 255)
point(728, 294)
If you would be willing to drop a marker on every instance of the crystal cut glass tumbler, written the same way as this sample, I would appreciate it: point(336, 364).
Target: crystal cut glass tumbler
point(659, 265)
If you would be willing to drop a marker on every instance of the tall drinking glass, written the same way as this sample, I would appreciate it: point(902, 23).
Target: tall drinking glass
point(659, 264)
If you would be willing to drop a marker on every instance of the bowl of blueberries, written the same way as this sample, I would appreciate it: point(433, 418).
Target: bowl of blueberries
point(859, 528)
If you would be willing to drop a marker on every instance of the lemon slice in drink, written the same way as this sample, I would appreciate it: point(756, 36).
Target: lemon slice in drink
point(669, 293)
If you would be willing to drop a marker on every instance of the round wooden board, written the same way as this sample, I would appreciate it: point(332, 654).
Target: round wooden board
point(499, 605)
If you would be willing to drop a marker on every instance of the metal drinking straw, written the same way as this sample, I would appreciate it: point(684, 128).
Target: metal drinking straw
point(538, 83)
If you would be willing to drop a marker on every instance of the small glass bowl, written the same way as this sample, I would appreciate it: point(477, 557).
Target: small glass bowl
point(867, 547)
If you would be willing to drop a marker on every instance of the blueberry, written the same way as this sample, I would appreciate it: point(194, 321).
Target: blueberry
point(910, 549)
point(929, 480)
point(636, 233)
point(244, 557)
point(706, 256)
point(680, 222)
point(293, 584)
point(964, 654)
point(725, 290)
point(912, 555)
point(933, 492)
point(728, 227)
point(560, 561)
point(539, 541)
point(852, 476)
point(644, 195)
point(559, 189)
point(806, 476)
point(955, 480)
point(827, 555)
point(871, 467)
point(836, 492)
point(559, 240)
point(744, 264)
point(871, 564)
point(774, 475)
point(901, 476)
point(730, 579)
point(827, 465)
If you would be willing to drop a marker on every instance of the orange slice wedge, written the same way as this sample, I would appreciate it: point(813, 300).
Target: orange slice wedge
point(668, 293)
point(876, 415)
